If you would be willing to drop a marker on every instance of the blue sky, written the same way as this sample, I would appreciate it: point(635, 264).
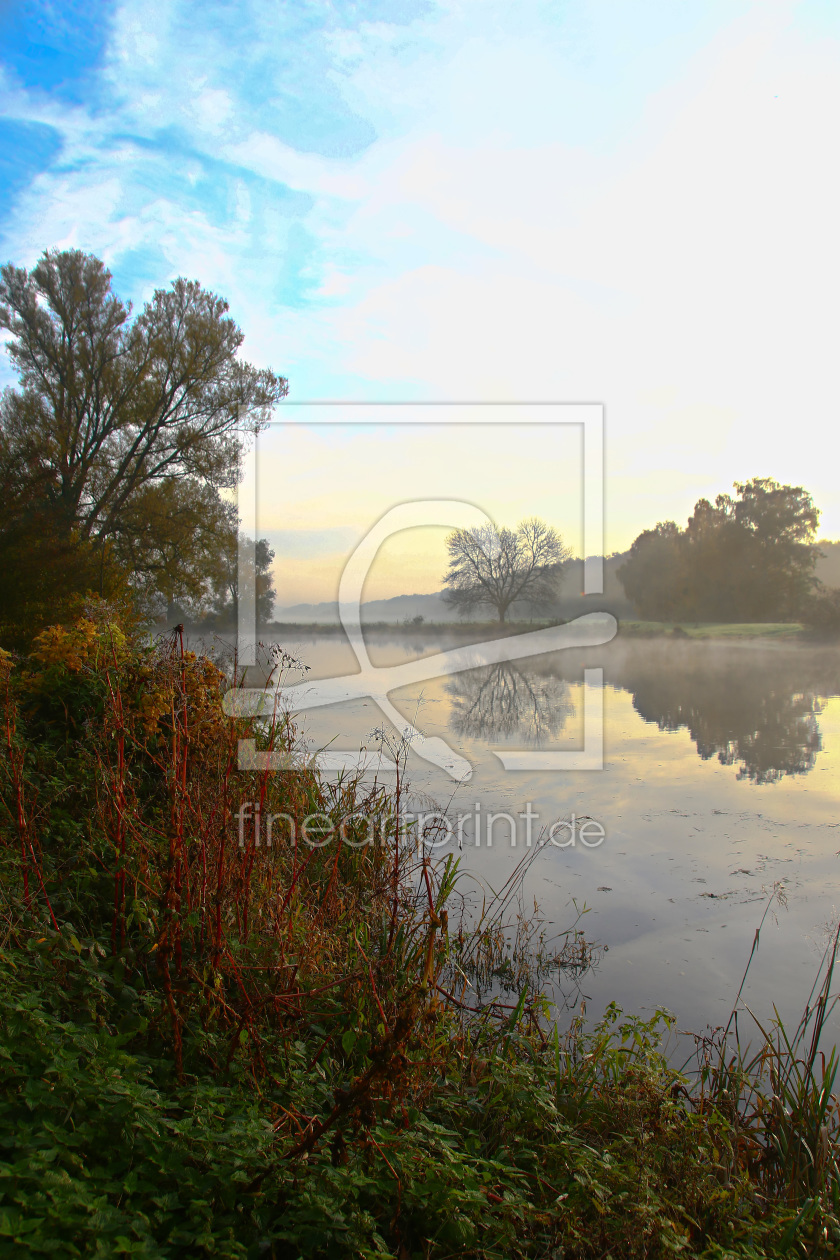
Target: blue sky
point(625, 201)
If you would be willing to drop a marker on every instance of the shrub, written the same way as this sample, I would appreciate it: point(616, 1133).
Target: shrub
point(214, 1049)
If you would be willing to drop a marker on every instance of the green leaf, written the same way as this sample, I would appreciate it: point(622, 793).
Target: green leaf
point(348, 1041)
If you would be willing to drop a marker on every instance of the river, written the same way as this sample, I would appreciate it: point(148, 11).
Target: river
point(720, 780)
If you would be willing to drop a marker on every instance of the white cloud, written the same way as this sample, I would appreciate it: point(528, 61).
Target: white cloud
point(706, 264)
point(270, 158)
point(586, 203)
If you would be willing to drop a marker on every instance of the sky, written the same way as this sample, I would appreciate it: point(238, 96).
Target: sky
point(629, 202)
point(511, 467)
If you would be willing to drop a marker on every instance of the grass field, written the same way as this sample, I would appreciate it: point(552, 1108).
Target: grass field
point(714, 630)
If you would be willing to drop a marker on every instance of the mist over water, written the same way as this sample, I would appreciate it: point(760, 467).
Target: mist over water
point(721, 777)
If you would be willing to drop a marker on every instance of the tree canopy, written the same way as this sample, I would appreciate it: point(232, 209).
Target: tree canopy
point(225, 579)
point(497, 568)
point(749, 558)
point(123, 430)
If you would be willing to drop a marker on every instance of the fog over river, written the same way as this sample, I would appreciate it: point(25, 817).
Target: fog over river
point(721, 778)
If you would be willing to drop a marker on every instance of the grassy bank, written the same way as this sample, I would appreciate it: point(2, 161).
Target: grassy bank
point(713, 630)
point(476, 630)
point(213, 1048)
point(470, 629)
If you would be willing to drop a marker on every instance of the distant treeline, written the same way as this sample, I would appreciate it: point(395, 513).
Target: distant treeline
point(748, 558)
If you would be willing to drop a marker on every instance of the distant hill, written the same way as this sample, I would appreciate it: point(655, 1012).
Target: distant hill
point(402, 608)
point(398, 609)
point(572, 603)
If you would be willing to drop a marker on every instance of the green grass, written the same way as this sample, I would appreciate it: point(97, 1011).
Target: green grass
point(712, 630)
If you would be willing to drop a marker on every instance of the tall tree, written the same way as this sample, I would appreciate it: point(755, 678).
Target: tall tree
point(497, 568)
point(225, 580)
point(653, 574)
point(748, 558)
point(174, 536)
point(118, 419)
point(781, 524)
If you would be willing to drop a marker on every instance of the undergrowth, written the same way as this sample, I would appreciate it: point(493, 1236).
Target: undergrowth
point(215, 1048)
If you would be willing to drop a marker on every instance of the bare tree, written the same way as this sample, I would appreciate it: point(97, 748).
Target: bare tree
point(495, 568)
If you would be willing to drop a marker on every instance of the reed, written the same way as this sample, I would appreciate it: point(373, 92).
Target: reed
point(779, 1096)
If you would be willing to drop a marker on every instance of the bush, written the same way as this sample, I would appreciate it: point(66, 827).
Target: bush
point(214, 1049)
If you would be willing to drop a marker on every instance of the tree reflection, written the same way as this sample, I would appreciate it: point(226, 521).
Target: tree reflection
point(508, 702)
point(758, 714)
point(753, 709)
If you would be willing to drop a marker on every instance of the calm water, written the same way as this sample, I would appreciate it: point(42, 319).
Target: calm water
point(721, 777)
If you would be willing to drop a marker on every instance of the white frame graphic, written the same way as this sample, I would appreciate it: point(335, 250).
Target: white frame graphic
point(588, 630)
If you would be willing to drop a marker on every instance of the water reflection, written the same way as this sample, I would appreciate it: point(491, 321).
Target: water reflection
point(756, 710)
point(690, 848)
point(746, 720)
point(509, 702)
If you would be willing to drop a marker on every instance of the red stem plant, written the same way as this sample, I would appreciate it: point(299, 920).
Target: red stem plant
point(248, 940)
point(320, 971)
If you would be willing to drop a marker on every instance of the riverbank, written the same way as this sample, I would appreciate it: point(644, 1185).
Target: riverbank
point(210, 1046)
point(475, 631)
point(465, 629)
point(764, 631)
